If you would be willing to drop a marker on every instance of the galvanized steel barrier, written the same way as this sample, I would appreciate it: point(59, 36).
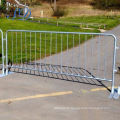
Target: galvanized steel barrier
point(61, 53)
point(2, 54)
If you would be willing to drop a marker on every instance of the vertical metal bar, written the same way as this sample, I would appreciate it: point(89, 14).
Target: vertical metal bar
point(30, 53)
point(68, 52)
point(6, 53)
point(98, 66)
point(73, 53)
point(35, 50)
point(50, 52)
point(56, 52)
point(30, 50)
point(79, 52)
point(21, 51)
point(12, 48)
point(85, 56)
point(40, 51)
point(92, 49)
point(25, 53)
point(61, 53)
point(114, 62)
point(26, 49)
point(3, 67)
point(16, 50)
point(22, 48)
point(45, 50)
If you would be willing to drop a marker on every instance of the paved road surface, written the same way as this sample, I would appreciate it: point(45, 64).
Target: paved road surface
point(32, 97)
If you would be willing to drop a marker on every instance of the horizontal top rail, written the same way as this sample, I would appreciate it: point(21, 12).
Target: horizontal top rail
point(81, 23)
point(59, 32)
point(43, 18)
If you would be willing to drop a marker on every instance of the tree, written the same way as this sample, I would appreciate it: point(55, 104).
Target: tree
point(3, 6)
point(53, 4)
point(106, 4)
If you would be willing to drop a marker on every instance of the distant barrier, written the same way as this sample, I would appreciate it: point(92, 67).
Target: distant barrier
point(81, 25)
point(2, 67)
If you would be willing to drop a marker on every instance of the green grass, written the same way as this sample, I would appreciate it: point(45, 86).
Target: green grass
point(33, 46)
point(26, 25)
point(43, 46)
point(109, 21)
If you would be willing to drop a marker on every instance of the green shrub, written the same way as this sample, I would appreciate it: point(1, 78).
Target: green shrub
point(59, 12)
point(106, 4)
point(3, 6)
point(2, 15)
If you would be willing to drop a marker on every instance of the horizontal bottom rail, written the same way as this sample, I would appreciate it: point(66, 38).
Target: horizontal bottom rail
point(61, 73)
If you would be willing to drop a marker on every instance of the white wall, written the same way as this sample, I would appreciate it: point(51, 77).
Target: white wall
point(0, 2)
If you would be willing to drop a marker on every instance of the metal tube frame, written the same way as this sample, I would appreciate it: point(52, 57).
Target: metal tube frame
point(52, 32)
point(3, 66)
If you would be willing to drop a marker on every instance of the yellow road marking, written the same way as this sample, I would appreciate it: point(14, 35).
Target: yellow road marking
point(35, 96)
point(84, 91)
point(100, 89)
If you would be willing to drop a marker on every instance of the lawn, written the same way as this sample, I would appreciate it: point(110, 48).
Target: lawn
point(14, 52)
point(6, 24)
point(95, 22)
point(27, 46)
point(110, 21)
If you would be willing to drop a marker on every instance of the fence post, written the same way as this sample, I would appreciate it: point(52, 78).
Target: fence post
point(114, 69)
point(3, 67)
point(6, 54)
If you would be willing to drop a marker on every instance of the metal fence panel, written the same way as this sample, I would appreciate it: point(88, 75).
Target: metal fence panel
point(62, 53)
point(1, 54)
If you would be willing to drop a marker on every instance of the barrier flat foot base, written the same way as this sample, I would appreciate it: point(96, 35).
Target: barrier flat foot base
point(2, 75)
point(116, 93)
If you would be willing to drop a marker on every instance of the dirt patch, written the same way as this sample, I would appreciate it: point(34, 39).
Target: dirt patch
point(36, 10)
point(75, 9)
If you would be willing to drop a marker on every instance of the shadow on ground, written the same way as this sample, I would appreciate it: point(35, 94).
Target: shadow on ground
point(40, 69)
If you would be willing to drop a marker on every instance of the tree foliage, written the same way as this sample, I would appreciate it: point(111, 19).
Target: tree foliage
point(106, 4)
point(3, 6)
